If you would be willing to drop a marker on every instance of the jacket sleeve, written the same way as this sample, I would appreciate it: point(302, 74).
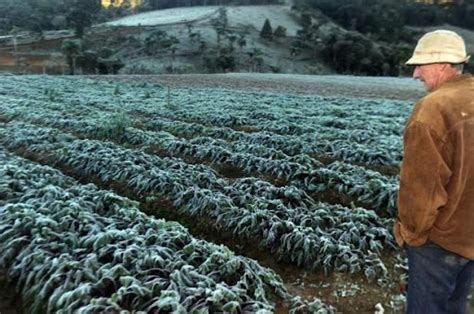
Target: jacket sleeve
point(423, 177)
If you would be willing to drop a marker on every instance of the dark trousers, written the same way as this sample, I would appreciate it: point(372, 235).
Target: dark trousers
point(438, 280)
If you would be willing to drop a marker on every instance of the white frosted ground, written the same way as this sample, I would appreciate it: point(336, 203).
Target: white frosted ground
point(256, 15)
point(167, 16)
point(237, 16)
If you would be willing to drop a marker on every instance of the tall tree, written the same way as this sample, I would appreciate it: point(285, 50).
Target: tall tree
point(72, 48)
point(83, 14)
point(220, 24)
point(267, 31)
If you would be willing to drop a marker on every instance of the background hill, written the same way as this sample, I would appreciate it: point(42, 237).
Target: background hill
point(306, 37)
point(215, 39)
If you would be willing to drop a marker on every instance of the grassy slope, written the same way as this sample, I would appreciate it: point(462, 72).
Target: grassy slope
point(240, 19)
point(251, 17)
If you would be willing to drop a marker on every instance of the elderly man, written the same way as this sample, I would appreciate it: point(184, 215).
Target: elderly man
point(436, 199)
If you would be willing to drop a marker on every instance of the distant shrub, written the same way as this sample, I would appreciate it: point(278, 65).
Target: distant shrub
point(149, 67)
point(275, 69)
point(280, 31)
point(225, 61)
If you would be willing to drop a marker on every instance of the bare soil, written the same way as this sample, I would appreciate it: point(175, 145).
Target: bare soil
point(10, 303)
point(382, 87)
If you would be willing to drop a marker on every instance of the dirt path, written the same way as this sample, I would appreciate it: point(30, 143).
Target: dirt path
point(330, 85)
point(9, 299)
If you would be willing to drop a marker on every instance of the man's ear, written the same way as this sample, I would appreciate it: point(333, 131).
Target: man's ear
point(445, 67)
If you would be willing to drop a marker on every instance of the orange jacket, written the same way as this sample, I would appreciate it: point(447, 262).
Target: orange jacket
point(436, 196)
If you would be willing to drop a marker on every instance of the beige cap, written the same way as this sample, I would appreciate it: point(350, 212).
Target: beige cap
point(440, 46)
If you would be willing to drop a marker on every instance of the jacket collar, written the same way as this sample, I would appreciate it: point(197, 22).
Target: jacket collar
point(454, 80)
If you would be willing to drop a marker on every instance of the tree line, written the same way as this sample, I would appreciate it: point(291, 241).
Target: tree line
point(389, 17)
point(375, 39)
point(42, 15)
point(165, 4)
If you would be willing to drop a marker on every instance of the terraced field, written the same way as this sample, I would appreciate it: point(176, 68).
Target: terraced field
point(123, 194)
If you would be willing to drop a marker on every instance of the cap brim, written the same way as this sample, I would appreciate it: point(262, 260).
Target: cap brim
point(420, 60)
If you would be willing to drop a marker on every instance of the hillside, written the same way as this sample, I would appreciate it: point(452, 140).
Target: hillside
point(212, 39)
point(166, 17)
point(238, 16)
point(298, 52)
point(243, 22)
point(136, 41)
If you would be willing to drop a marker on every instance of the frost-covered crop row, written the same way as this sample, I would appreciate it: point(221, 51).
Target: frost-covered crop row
point(74, 248)
point(365, 146)
point(286, 219)
point(370, 188)
point(359, 130)
point(273, 119)
point(348, 149)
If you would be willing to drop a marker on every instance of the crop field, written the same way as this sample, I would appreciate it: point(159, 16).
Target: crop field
point(125, 195)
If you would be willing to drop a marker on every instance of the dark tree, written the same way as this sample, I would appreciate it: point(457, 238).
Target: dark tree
point(82, 15)
point(266, 32)
point(72, 48)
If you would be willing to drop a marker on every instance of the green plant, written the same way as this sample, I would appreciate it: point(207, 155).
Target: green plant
point(117, 90)
point(114, 127)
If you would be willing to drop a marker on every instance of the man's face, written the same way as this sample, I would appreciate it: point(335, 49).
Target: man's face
point(429, 74)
